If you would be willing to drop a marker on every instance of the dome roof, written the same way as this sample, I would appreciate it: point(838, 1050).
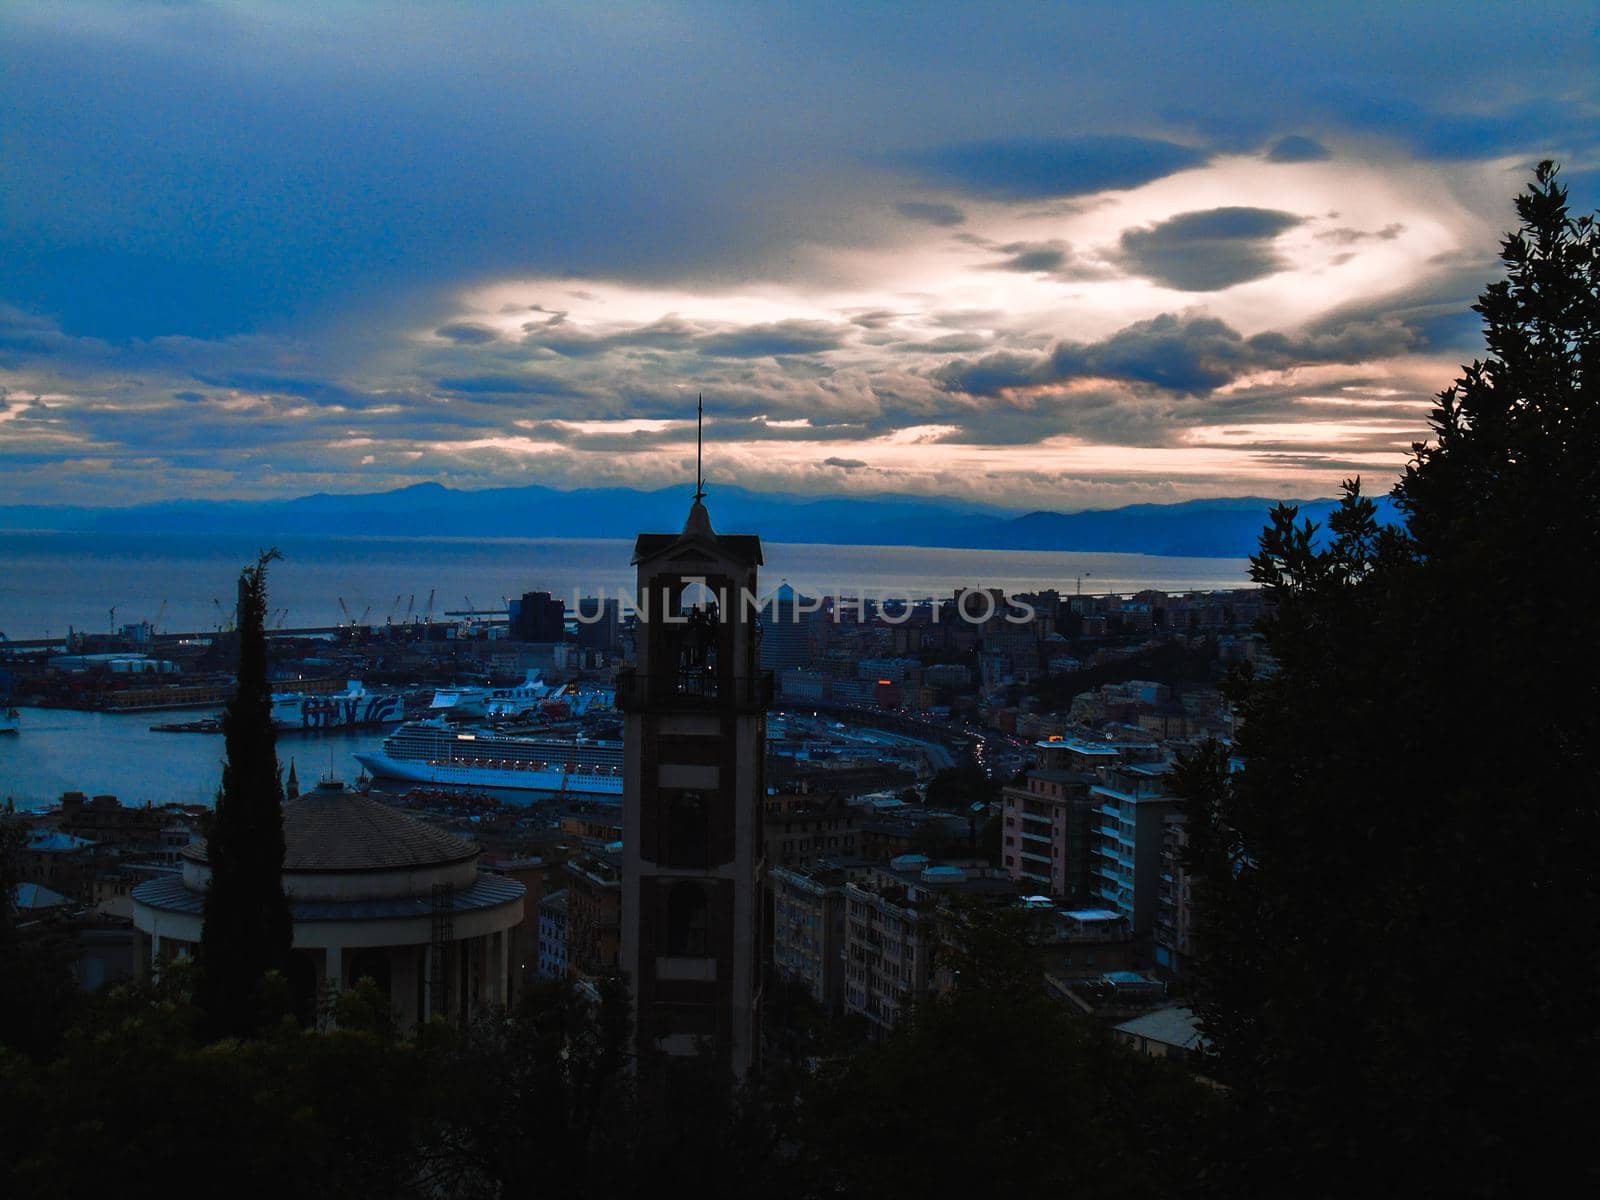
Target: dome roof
point(332, 829)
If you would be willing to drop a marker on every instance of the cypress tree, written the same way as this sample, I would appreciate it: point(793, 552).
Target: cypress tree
point(247, 931)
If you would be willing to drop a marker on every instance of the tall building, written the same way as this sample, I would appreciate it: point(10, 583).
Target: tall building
point(538, 617)
point(1131, 808)
point(786, 630)
point(695, 707)
point(600, 623)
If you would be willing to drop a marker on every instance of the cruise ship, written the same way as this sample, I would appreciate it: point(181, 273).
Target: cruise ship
point(517, 701)
point(435, 752)
point(353, 706)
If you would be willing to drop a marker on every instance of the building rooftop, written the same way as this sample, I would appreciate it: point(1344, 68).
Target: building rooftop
point(332, 829)
point(1169, 1026)
point(489, 891)
point(36, 895)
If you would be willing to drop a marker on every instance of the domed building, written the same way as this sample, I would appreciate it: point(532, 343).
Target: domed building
point(373, 893)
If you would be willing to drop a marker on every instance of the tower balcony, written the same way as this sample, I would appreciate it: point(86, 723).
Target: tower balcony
point(694, 691)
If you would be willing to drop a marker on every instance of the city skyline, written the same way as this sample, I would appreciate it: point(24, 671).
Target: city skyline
point(1064, 260)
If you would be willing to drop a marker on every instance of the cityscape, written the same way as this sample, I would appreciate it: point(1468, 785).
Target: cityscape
point(1033, 617)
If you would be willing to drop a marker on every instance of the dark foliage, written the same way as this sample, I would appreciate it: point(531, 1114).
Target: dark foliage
point(955, 789)
point(1398, 887)
point(996, 1089)
point(247, 931)
point(38, 995)
point(1172, 663)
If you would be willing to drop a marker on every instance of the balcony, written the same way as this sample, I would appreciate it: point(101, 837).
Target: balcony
point(693, 690)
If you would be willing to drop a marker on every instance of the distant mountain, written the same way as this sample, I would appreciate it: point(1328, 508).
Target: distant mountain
point(1225, 528)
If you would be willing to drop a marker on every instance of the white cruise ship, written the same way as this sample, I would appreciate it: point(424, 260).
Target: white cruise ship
point(460, 702)
point(435, 752)
point(516, 701)
point(353, 706)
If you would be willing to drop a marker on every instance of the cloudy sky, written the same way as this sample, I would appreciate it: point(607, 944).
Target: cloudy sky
point(1045, 256)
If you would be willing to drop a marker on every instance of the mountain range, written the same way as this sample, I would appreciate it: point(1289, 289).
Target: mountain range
point(1224, 528)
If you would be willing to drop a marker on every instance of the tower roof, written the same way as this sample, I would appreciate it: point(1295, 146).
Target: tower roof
point(698, 524)
point(743, 548)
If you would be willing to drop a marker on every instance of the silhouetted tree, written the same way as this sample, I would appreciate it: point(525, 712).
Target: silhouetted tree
point(247, 931)
point(1398, 888)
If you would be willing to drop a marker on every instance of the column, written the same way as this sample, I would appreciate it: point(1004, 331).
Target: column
point(333, 969)
point(501, 960)
point(428, 968)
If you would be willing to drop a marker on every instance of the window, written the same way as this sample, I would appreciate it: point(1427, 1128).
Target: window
point(688, 921)
point(687, 830)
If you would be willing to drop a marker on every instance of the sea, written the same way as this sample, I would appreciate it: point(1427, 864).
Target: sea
point(50, 582)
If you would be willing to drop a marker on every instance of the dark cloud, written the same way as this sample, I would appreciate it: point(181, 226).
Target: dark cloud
point(526, 384)
point(1055, 258)
point(1208, 250)
point(465, 333)
point(1033, 168)
point(932, 214)
point(950, 343)
point(1523, 124)
point(318, 391)
point(779, 337)
point(668, 333)
point(1189, 354)
point(1348, 237)
point(876, 318)
point(844, 464)
point(1295, 148)
point(1034, 257)
point(189, 397)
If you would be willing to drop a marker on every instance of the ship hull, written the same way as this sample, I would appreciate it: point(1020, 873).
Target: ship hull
point(337, 712)
point(576, 783)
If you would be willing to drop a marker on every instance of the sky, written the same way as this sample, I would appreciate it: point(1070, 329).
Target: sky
point(1041, 256)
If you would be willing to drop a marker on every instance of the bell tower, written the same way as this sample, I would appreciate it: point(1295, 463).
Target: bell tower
point(695, 705)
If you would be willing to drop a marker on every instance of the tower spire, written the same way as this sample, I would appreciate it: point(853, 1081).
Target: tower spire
point(699, 447)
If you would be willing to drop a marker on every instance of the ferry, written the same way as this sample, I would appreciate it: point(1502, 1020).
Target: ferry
point(353, 706)
point(435, 752)
point(513, 702)
point(461, 702)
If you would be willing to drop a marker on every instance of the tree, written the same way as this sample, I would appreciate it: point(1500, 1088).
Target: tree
point(1397, 889)
point(996, 1088)
point(247, 931)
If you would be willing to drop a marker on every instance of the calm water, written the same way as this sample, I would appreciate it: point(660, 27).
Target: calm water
point(59, 751)
point(49, 581)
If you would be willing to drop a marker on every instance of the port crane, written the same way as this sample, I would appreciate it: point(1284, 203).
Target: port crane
point(348, 619)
